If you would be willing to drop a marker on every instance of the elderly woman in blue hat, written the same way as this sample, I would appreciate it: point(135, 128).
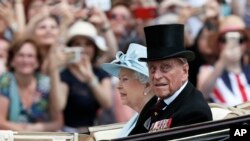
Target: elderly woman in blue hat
point(133, 83)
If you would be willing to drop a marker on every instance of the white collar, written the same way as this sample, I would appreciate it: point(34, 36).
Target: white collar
point(172, 98)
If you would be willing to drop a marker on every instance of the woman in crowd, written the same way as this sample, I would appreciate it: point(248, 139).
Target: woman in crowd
point(27, 100)
point(133, 82)
point(227, 81)
point(44, 27)
point(89, 86)
point(203, 53)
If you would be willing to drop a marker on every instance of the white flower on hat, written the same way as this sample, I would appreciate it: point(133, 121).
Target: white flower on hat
point(128, 60)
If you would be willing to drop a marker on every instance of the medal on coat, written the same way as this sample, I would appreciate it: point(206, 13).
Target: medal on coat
point(160, 125)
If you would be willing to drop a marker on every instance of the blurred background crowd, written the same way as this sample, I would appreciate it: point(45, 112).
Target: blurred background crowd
point(51, 52)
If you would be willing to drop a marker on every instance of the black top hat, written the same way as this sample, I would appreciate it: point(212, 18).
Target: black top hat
point(166, 41)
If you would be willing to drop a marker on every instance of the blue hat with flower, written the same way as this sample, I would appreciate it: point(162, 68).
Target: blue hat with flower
point(128, 60)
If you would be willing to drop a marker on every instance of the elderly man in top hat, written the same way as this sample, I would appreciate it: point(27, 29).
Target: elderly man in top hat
point(179, 102)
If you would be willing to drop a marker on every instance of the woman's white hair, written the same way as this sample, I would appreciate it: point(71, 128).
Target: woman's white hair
point(141, 77)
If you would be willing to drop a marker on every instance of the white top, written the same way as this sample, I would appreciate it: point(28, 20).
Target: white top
point(128, 126)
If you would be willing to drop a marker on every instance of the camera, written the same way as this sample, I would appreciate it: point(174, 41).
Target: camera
point(74, 53)
point(233, 38)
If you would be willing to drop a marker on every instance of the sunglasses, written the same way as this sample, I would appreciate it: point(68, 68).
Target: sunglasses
point(232, 36)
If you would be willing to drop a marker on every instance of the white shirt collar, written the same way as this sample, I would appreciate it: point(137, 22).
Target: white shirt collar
point(172, 98)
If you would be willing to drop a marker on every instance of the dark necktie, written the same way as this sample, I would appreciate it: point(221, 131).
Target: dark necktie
point(160, 104)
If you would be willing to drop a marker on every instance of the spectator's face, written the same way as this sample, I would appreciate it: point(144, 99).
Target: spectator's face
point(119, 17)
point(167, 76)
point(47, 31)
point(25, 60)
point(4, 47)
point(130, 88)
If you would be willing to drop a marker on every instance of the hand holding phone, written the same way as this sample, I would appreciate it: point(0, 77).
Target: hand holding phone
point(232, 50)
point(232, 39)
point(74, 54)
point(145, 13)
